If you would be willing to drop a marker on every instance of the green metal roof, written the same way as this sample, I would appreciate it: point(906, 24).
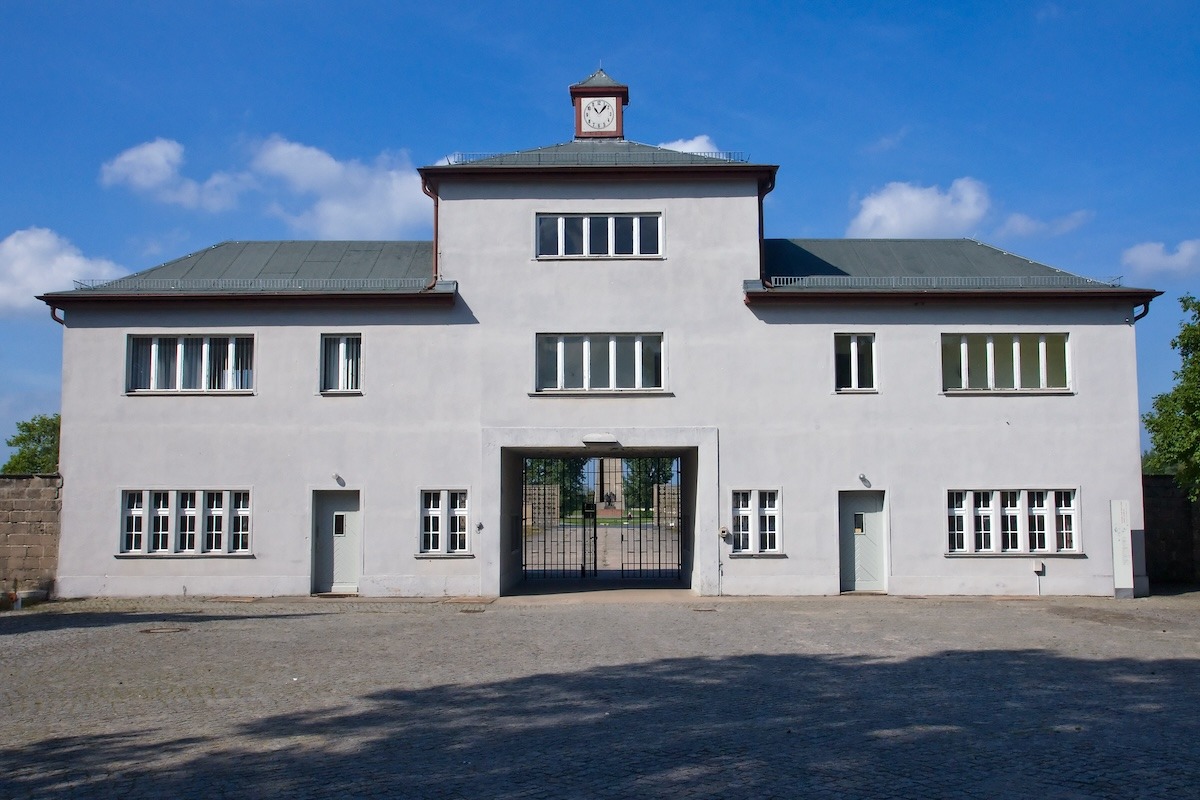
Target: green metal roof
point(592, 153)
point(599, 78)
point(796, 267)
point(282, 267)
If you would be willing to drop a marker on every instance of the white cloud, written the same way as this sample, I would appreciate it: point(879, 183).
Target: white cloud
point(38, 260)
point(890, 142)
point(351, 199)
point(1018, 225)
point(697, 144)
point(1153, 257)
point(153, 168)
point(901, 210)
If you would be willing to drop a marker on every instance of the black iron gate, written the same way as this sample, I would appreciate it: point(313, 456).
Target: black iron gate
point(587, 518)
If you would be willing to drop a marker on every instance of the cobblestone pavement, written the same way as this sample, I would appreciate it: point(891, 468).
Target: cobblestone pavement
point(617, 695)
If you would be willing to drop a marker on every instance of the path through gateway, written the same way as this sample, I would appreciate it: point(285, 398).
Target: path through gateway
point(596, 518)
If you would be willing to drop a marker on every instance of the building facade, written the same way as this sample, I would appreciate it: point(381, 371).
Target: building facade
point(600, 368)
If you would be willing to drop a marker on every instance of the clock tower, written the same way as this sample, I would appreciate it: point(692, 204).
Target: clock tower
point(599, 107)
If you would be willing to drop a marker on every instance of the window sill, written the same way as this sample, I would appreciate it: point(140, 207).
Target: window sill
point(758, 555)
point(190, 393)
point(856, 391)
point(1005, 392)
point(437, 556)
point(341, 393)
point(174, 556)
point(602, 393)
point(1017, 555)
point(590, 258)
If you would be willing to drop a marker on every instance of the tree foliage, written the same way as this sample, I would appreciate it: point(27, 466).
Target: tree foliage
point(566, 473)
point(36, 441)
point(1174, 424)
point(640, 476)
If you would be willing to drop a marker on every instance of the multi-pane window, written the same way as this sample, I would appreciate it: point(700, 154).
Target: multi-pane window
point(1005, 362)
point(444, 511)
point(598, 235)
point(187, 508)
point(1021, 517)
point(187, 521)
point(191, 363)
point(756, 527)
point(239, 534)
point(341, 363)
point(854, 361)
point(160, 522)
point(599, 361)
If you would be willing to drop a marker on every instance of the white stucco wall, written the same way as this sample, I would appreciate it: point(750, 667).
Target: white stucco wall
point(749, 391)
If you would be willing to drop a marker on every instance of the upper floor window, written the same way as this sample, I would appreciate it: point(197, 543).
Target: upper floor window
point(1005, 362)
point(854, 361)
point(599, 361)
point(598, 235)
point(191, 363)
point(341, 357)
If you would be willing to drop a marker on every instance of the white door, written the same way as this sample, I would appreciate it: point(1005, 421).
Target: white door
point(861, 536)
point(336, 529)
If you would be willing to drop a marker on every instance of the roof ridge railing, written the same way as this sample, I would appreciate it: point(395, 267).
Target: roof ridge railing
point(250, 284)
point(574, 157)
point(938, 282)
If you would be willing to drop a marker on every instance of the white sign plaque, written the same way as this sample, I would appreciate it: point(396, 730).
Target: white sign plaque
point(1122, 543)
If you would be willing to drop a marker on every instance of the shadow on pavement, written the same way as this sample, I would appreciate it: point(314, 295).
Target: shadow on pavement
point(12, 624)
point(1020, 723)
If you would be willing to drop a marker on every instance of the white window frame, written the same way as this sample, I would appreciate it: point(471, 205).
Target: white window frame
point(756, 517)
point(1041, 521)
point(608, 341)
point(993, 379)
point(586, 236)
point(158, 350)
point(183, 525)
point(856, 384)
point(445, 523)
point(347, 364)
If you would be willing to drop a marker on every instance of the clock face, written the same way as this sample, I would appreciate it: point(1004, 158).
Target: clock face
point(600, 114)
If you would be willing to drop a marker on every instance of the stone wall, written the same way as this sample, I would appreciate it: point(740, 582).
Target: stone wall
point(1172, 532)
point(29, 510)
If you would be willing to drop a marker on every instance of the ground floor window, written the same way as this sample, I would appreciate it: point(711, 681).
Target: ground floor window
point(174, 518)
point(756, 521)
point(444, 517)
point(1022, 519)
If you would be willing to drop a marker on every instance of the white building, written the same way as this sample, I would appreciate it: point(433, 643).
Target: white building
point(416, 418)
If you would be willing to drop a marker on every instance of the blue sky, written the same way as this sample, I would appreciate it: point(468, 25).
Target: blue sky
point(136, 132)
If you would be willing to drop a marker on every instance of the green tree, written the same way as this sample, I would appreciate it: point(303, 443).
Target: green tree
point(1174, 424)
point(36, 441)
point(566, 473)
point(640, 476)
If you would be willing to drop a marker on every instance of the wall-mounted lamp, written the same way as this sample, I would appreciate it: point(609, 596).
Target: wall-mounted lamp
point(339, 480)
point(863, 478)
point(600, 440)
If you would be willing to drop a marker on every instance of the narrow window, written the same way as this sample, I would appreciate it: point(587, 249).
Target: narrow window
point(1010, 514)
point(1037, 520)
point(741, 521)
point(648, 236)
point(1064, 520)
point(458, 522)
point(160, 523)
point(431, 522)
point(239, 536)
point(135, 516)
point(187, 521)
point(214, 521)
point(623, 236)
point(547, 236)
point(768, 521)
point(956, 516)
point(983, 520)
